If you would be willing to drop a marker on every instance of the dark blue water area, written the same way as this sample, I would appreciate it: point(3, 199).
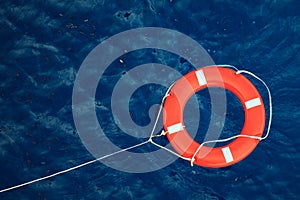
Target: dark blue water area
point(43, 44)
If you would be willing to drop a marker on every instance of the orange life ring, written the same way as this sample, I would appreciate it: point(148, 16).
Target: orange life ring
point(214, 76)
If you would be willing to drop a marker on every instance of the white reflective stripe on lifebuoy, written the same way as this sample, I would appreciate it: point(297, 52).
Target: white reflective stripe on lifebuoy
point(201, 77)
point(227, 154)
point(175, 128)
point(252, 103)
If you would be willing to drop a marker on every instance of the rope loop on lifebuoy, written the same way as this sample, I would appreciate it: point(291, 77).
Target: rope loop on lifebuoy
point(230, 78)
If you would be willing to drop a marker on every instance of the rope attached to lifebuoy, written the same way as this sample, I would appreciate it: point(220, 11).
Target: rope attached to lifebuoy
point(152, 135)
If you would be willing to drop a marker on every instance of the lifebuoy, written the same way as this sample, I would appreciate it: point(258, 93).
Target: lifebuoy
point(214, 76)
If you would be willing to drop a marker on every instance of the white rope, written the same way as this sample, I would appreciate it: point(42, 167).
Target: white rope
point(163, 132)
point(172, 152)
point(269, 96)
point(73, 168)
point(227, 66)
point(241, 135)
point(159, 111)
point(152, 135)
point(106, 156)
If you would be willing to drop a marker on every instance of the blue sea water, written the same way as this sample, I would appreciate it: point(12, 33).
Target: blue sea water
point(43, 44)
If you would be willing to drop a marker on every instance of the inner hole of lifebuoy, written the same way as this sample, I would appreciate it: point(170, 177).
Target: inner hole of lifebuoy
point(221, 116)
